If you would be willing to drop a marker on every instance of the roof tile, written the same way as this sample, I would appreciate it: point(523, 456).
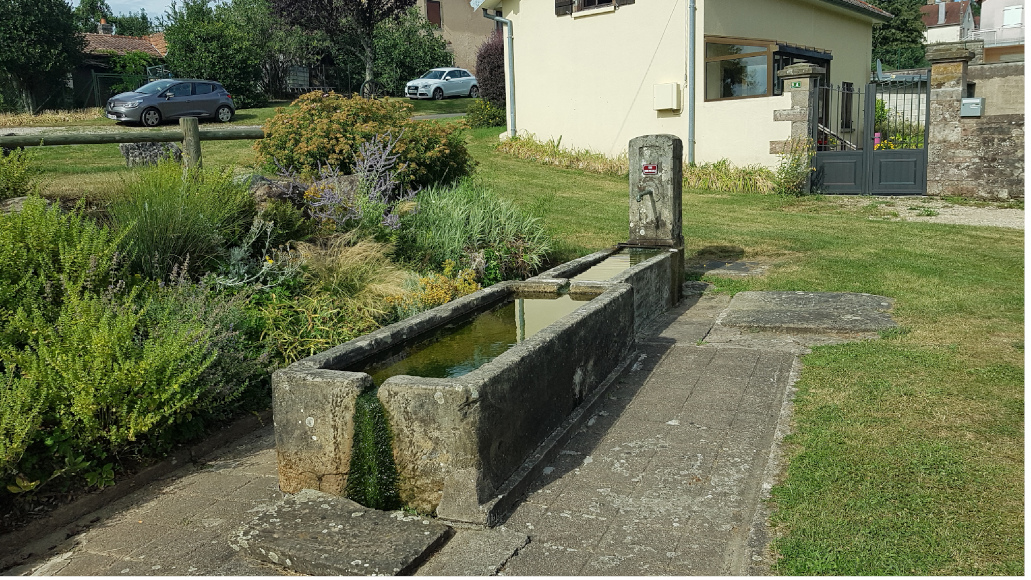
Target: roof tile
point(102, 43)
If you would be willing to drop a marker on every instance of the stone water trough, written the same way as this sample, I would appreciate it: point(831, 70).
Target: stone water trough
point(470, 433)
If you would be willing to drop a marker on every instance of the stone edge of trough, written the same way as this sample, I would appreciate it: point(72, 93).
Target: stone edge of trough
point(40, 536)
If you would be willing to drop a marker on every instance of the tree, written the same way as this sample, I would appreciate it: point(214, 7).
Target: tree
point(89, 12)
point(344, 18)
point(406, 48)
point(899, 43)
point(278, 44)
point(41, 44)
point(204, 42)
point(133, 24)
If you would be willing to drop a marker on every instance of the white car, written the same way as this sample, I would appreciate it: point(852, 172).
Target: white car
point(440, 83)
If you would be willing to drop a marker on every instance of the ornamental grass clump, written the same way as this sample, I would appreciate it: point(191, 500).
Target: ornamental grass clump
point(473, 228)
point(170, 219)
point(328, 129)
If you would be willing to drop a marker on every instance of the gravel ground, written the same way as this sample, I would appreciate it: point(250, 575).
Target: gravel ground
point(934, 210)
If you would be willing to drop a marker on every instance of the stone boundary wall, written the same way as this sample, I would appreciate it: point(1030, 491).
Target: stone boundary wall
point(976, 157)
point(1001, 85)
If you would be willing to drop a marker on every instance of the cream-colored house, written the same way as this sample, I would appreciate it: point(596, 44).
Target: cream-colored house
point(599, 72)
point(463, 29)
point(947, 21)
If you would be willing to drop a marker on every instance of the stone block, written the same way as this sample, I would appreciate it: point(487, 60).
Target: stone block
point(320, 534)
point(656, 166)
point(140, 154)
point(313, 411)
point(793, 114)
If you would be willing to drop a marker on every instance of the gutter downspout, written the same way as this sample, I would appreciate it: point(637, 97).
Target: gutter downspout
point(690, 80)
point(510, 80)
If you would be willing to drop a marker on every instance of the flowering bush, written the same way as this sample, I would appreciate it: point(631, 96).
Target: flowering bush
point(484, 114)
point(434, 290)
point(328, 129)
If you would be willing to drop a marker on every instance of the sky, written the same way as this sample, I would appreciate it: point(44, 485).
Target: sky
point(153, 7)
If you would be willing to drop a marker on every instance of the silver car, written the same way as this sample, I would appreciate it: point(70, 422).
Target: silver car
point(170, 99)
point(443, 82)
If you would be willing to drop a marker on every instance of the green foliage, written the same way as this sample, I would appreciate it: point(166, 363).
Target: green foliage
point(372, 475)
point(289, 222)
point(899, 43)
point(204, 42)
point(328, 129)
point(406, 48)
point(483, 114)
point(89, 12)
point(90, 367)
point(40, 46)
point(20, 403)
point(723, 175)
point(172, 221)
point(133, 24)
point(133, 68)
point(490, 70)
point(473, 228)
point(18, 174)
point(795, 168)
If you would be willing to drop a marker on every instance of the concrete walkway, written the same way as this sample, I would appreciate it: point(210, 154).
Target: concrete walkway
point(668, 477)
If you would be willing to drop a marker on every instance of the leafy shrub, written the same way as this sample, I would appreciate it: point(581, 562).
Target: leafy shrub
point(288, 221)
point(473, 228)
point(91, 368)
point(18, 174)
point(490, 70)
point(170, 220)
point(433, 290)
point(372, 475)
point(483, 114)
point(328, 129)
point(795, 168)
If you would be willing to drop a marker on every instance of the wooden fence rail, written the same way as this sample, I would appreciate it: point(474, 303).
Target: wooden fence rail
point(189, 134)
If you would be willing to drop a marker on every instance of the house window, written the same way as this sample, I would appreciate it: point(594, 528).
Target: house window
point(564, 7)
point(433, 12)
point(1012, 16)
point(738, 68)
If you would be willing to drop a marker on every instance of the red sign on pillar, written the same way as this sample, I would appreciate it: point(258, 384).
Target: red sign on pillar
point(647, 169)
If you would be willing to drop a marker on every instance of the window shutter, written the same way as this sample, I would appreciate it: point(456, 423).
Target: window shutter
point(563, 7)
point(624, 2)
point(433, 12)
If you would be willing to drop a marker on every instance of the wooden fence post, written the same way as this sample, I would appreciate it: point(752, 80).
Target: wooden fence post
point(191, 143)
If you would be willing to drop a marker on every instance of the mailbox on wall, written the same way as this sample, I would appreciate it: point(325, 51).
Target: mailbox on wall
point(972, 107)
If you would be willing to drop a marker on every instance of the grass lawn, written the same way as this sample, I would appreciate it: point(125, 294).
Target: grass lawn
point(907, 453)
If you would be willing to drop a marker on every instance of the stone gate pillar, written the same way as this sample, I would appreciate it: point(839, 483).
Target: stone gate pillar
point(945, 147)
point(799, 81)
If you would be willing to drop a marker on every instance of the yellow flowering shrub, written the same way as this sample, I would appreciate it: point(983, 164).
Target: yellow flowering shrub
point(328, 128)
point(434, 290)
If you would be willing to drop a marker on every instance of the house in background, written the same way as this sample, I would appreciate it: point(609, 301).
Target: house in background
point(1002, 30)
point(463, 29)
point(947, 21)
point(93, 79)
point(599, 72)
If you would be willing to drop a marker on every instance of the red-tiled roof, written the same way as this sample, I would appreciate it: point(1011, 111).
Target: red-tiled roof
point(103, 43)
point(158, 40)
point(954, 12)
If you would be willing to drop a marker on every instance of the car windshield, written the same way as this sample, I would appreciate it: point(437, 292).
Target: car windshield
point(433, 74)
point(155, 87)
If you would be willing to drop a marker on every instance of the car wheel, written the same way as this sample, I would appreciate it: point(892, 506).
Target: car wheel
point(151, 117)
point(438, 94)
point(474, 92)
point(224, 114)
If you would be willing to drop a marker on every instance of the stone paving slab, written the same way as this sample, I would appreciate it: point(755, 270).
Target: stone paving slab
point(475, 553)
point(809, 312)
point(316, 533)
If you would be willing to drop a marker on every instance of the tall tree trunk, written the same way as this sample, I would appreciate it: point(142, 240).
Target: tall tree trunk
point(370, 55)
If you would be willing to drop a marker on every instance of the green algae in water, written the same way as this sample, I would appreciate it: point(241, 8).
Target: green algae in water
point(372, 476)
point(466, 347)
point(617, 263)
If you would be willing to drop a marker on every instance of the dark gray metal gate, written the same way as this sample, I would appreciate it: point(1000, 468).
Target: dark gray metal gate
point(872, 139)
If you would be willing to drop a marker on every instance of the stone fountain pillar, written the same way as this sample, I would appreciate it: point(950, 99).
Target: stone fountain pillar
point(656, 191)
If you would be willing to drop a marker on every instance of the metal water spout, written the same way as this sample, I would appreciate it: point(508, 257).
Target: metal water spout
point(641, 195)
